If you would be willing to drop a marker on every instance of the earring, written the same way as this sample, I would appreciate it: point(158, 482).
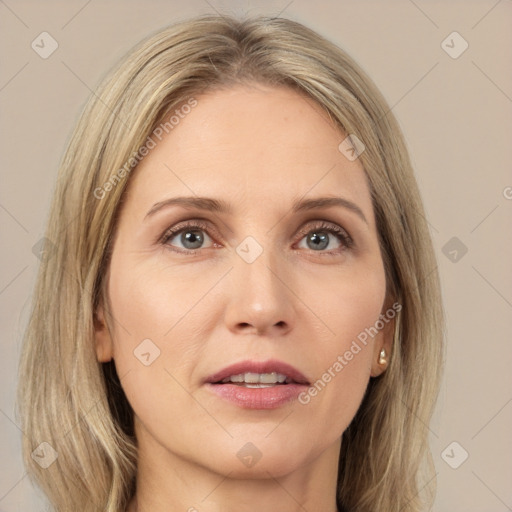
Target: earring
point(382, 357)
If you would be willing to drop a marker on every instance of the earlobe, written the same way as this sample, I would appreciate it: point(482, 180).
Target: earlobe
point(379, 366)
point(382, 350)
point(102, 338)
point(383, 357)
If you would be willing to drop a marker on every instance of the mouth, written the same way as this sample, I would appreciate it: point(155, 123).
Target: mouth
point(258, 385)
point(257, 380)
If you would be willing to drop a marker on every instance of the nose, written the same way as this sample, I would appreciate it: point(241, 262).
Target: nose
point(260, 300)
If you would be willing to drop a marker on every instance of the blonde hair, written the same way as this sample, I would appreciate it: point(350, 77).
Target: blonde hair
point(69, 400)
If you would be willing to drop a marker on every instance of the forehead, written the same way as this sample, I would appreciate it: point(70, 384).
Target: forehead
point(249, 144)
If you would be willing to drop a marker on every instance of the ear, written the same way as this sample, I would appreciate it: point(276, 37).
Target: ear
point(102, 338)
point(382, 347)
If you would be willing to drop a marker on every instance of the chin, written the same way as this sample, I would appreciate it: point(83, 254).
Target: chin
point(275, 465)
point(261, 456)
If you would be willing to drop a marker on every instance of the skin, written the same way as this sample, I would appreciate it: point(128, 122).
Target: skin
point(258, 149)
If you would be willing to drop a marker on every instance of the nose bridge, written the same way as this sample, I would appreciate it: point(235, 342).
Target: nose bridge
point(259, 295)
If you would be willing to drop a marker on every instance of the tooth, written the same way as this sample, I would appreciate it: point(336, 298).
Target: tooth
point(252, 378)
point(263, 379)
point(268, 378)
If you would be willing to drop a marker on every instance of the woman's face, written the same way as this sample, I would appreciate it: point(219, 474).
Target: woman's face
point(231, 272)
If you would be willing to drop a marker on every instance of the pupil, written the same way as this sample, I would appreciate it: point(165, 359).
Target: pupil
point(191, 239)
point(318, 241)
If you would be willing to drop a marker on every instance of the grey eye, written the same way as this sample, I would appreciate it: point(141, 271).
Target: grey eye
point(189, 239)
point(192, 239)
point(320, 240)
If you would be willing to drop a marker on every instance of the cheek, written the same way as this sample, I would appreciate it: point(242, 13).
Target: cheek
point(156, 302)
point(348, 302)
point(349, 306)
point(162, 316)
point(149, 315)
point(157, 342)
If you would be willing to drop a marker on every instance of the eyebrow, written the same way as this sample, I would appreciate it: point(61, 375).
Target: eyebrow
point(327, 202)
point(220, 206)
point(193, 202)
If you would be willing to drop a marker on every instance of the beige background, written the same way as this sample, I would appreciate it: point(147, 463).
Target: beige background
point(456, 115)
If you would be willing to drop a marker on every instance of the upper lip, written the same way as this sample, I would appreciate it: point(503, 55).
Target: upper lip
point(270, 366)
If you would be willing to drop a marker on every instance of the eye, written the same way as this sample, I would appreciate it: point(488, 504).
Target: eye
point(325, 237)
point(188, 237)
point(322, 237)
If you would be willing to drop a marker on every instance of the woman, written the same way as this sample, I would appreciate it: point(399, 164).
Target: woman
point(241, 307)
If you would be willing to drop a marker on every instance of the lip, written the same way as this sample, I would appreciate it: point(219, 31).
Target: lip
point(258, 398)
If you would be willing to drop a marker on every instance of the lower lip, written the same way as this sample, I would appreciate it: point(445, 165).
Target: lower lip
point(271, 397)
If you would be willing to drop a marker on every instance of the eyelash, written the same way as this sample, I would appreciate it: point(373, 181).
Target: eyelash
point(340, 233)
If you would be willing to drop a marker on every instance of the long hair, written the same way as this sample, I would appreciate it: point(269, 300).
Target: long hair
point(76, 404)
